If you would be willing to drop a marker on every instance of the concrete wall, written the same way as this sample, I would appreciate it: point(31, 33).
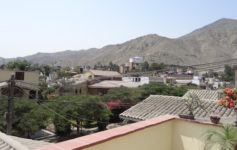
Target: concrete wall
point(152, 138)
point(171, 135)
point(190, 136)
point(83, 87)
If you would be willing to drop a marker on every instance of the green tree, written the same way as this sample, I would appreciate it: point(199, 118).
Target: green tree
point(113, 67)
point(156, 66)
point(145, 66)
point(62, 126)
point(226, 139)
point(122, 93)
point(29, 117)
point(229, 73)
point(142, 92)
point(19, 64)
point(85, 107)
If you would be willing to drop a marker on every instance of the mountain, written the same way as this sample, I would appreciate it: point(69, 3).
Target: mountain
point(211, 43)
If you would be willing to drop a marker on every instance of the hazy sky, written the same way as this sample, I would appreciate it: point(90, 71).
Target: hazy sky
point(31, 26)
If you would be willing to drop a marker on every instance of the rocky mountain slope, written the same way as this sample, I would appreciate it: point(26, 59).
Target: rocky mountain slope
point(214, 42)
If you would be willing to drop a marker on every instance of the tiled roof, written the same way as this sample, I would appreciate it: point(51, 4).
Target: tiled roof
point(30, 144)
point(204, 94)
point(7, 143)
point(16, 143)
point(105, 73)
point(158, 105)
point(114, 84)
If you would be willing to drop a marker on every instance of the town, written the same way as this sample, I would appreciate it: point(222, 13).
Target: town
point(118, 75)
point(54, 103)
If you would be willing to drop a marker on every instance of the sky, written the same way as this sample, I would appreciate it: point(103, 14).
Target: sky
point(31, 26)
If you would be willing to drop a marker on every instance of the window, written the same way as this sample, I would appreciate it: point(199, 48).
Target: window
point(139, 79)
point(19, 75)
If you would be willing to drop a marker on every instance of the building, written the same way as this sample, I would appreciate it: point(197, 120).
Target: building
point(26, 76)
point(124, 68)
point(80, 87)
point(139, 80)
point(157, 79)
point(161, 133)
point(159, 105)
point(76, 85)
point(103, 75)
point(26, 83)
point(102, 87)
point(134, 62)
point(182, 79)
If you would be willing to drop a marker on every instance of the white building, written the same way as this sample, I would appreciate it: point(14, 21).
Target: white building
point(196, 80)
point(139, 80)
point(136, 60)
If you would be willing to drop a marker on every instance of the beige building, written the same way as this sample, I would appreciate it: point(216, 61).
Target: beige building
point(76, 88)
point(26, 83)
point(76, 85)
point(26, 76)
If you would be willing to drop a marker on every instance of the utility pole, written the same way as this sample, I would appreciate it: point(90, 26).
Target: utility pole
point(11, 85)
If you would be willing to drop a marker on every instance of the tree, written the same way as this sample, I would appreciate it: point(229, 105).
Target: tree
point(62, 126)
point(122, 93)
point(46, 70)
point(134, 95)
point(229, 73)
point(113, 67)
point(87, 108)
point(156, 66)
point(19, 64)
point(145, 66)
point(29, 117)
point(226, 139)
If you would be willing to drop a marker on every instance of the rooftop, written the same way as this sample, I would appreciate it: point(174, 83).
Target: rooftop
point(21, 84)
point(158, 105)
point(16, 143)
point(105, 73)
point(204, 94)
point(114, 84)
point(164, 133)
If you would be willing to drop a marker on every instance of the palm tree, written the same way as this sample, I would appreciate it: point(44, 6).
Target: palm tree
point(226, 139)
